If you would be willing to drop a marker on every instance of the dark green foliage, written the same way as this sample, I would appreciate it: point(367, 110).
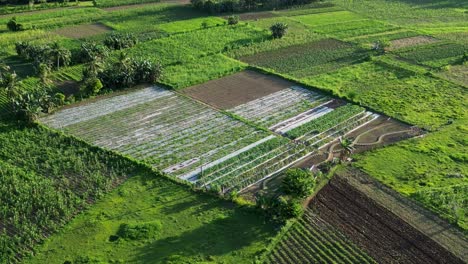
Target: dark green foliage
point(52, 55)
point(91, 51)
point(117, 41)
point(91, 86)
point(298, 183)
point(279, 209)
point(140, 230)
point(126, 72)
point(12, 25)
point(278, 30)
point(233, 20)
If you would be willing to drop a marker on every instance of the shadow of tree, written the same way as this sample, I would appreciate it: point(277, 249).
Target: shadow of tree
point(220, 237)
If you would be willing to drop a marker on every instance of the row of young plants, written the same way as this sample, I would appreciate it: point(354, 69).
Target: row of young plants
point(327, 121)
point(309, 59)
point(279, 106)
point(313, 240)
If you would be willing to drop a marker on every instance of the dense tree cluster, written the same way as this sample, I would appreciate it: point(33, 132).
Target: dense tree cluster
point(118, 41)
point(226, 6)
point(126, 72)
point(53, 56)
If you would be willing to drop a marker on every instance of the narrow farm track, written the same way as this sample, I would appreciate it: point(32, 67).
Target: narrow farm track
point(383, 235)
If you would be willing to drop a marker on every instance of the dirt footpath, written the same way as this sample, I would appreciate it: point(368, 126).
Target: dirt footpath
point(236, 89)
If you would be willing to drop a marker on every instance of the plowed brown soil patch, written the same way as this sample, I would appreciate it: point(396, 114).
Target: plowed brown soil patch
point(237, 89)
point(412, 41)
point(83, 31)
point(378, 231)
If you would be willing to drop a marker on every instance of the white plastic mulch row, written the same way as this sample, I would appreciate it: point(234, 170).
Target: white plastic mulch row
point(277, 106)
point(301, 119)
point(191, 175)
point(75, 115)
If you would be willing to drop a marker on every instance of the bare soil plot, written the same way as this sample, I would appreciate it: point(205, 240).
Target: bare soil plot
point(409, 211)
point(382, 234)
point(83, 31)
point(237, 89)
point(122, 7)
point(411, 41)
point(457, 74)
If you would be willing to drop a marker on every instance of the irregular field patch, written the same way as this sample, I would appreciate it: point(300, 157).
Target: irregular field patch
point(193, 228)
point(379, 232)
point(430, 170)
point(236, 89)
point(308, 59)
point(83, 31)
point(398, 92)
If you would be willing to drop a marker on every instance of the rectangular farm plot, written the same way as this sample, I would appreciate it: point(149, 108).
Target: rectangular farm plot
point(83, 31)
point(237, 89)
point(309, 59)
point(166, 130)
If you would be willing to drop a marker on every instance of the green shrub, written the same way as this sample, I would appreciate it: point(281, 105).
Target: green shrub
point(298, 183)
point(12, 25)
point(140, 230)
point(233, 20)
point(278, 30)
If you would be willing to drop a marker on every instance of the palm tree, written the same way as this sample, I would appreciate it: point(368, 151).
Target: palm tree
point(347, 148)
point(60, 55)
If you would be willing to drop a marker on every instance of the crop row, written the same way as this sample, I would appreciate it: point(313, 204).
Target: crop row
point(312, 240)
point(168, 131)
point(277, 107)
point(327, 121)
point(308, 59)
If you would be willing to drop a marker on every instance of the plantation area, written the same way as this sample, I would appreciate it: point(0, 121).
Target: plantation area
point(233, 131)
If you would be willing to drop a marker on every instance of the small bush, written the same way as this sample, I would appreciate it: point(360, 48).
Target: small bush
point(233, 20)
point(140, 231)
point(278, 30)
point(13, 25)
point(298, 183)
point(90, 87)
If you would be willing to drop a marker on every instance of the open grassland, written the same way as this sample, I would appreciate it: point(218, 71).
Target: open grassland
point(309, 59)
point(52, 177)
point(402, 93)
point(430, 170)
point(313, 240)
point(191, 228)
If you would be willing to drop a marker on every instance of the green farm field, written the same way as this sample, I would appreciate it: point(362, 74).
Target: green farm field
point(106, 158)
